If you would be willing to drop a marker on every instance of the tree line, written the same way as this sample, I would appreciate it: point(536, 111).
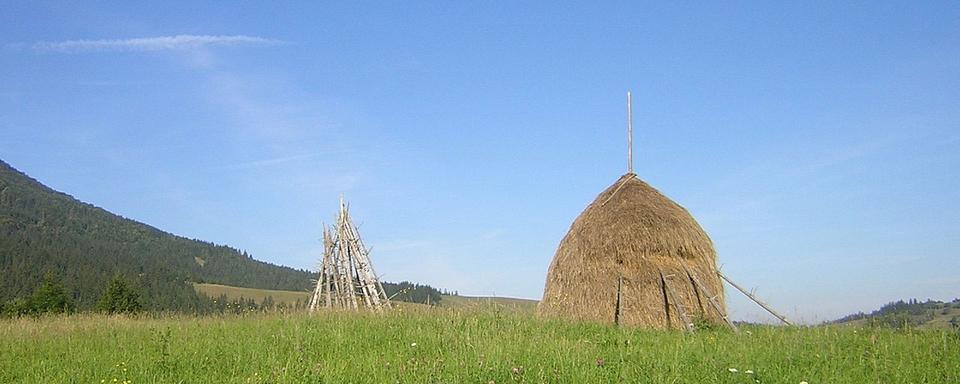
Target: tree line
point(905, 314)
point(122, 296)
point(52, 298)
point(44, 231)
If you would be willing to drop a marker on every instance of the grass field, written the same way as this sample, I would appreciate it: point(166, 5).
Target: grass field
point(453, 346)
point(291, 297)
point(482, 303)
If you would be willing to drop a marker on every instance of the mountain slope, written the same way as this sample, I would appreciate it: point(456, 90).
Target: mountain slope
point(45, 231)
point(910, 313)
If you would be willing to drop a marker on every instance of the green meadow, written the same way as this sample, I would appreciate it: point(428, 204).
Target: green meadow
point(477, 345)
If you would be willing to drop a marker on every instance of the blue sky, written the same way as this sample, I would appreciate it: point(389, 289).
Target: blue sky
point(817, 143)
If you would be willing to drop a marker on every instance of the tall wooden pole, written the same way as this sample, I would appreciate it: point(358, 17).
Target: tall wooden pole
point(629, 133)
point(327, 264)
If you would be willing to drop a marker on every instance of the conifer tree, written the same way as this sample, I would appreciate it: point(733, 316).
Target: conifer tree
point(119, 297)
point(51, 297)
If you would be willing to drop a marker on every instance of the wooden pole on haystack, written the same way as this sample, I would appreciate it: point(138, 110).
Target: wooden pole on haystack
point(629, 133)
point(629, 147)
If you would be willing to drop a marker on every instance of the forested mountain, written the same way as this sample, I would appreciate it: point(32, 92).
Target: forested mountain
point(43, 232)
point(910, 313)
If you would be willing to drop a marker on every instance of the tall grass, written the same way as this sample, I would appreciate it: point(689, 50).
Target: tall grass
point(449, 346)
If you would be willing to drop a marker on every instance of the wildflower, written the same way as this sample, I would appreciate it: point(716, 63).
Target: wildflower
point(413, 344)
point(803, 382)
point(749, 372)
point(733, 370)
point(517, 370)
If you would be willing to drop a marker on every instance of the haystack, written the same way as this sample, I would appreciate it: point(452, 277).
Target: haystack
point(636, 258)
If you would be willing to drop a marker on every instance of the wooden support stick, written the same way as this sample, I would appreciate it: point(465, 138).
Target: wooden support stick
point(328, 265)
point(764, 306)
point(672, 297)
point(618, 311)
point(397, 293)
point(619, 186)
point(712, 300)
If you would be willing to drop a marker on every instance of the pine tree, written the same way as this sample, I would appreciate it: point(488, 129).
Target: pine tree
point(119, 297)
point(51, 297)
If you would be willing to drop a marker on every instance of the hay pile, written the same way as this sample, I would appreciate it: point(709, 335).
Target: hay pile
point(633, 231)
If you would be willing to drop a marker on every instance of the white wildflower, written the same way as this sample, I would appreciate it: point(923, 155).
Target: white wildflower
point(734, 370)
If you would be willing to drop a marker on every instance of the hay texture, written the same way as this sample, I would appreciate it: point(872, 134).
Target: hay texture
point(633, 231)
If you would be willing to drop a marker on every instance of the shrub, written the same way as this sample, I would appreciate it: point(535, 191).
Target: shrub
point(50, 297)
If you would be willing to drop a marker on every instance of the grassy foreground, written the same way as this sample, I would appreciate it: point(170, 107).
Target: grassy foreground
point(448, 346)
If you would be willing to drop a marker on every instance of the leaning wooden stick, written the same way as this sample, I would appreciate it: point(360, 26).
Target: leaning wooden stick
point(744, 291)
point(672, 299)
point(712, 300)
point(618, 311)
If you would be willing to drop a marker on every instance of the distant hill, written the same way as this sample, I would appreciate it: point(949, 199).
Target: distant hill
point(910, 313)
point(44, 231)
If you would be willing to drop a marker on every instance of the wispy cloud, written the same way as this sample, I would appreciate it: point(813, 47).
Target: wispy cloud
point(273, 161)
point(161, 43)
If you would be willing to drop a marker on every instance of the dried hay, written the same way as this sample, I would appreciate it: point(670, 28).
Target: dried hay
point(633, 231)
